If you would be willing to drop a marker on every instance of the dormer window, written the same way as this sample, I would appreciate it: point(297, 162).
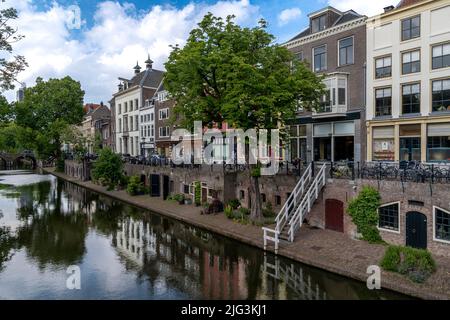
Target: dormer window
point(319, 23)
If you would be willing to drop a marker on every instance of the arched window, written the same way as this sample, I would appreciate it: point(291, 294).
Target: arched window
point(441, 225)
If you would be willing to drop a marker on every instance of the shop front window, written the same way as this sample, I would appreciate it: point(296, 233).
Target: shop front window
point(322, 149)
point(438, 142)
point(383, 145)
point(410, 142)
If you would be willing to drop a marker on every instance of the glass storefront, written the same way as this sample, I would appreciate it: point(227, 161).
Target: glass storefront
point(438, 142)
point(410, 147)
point(334, 141)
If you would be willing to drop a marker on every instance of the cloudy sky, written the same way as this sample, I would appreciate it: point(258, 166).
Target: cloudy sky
point(112, 35)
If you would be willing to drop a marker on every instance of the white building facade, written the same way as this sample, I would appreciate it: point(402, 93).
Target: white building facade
point(134, 112)
point(408, 83)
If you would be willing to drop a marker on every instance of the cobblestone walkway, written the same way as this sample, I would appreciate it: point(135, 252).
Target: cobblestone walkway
point(328, 250)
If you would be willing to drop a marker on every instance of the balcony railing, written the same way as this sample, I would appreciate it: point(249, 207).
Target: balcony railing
point(339, 109)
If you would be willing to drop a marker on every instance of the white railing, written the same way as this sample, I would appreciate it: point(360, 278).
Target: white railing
point(305, 206)
point(295, 205)
point(295, 197)
point(271, 235)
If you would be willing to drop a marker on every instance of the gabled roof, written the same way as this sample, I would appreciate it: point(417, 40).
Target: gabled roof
point(345, 17)
point(150, 78)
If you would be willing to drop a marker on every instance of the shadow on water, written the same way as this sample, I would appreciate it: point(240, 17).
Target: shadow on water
point(56, 219)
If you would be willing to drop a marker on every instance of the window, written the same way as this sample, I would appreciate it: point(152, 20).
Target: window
point(136, 120)
point(441, 224)
point(241, 195)
point(383, 102)
point(388, 217)
point(298, 56)
point(131, 105)
point(346, 51)
point(341, 96)
point(326, 102)
point(163, 114)
point(319, 24)
point(383, 143)
point(185, 188)
point(383, 67)
point(438, 142)
point(263, 197)
point(162, 96)
point(411, 28)
point(120, 108)
point(411, 62)
point(125, 107)
point(441, 95)
point(441, 56)
point(164, 131)
point(136, 103)
point(320, 58)
point(120, 125)
point(152, 130)
point(411, 98)
point(142, 118)
point(277, 200)
point(131, 123)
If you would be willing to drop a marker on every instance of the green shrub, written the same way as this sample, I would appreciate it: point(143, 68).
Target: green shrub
point(197, 193)
point(391, 259)
point(268, 211)
point(364, 212)
point(60, 164)
point(134, 186)
point(108, 166)
point(416, 264)
point(178, 197)
point(244, 211)
point(229, 212)
point(234, 204)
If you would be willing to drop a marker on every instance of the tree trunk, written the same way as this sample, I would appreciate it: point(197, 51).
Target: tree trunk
point(255, 198)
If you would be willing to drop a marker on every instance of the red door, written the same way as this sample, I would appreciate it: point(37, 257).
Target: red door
point(334, 215)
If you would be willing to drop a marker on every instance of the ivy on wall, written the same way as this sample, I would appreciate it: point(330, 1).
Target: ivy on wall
point(364, 213)
point(197, 193)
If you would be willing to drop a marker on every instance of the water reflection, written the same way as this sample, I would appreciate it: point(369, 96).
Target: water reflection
point(125, 252)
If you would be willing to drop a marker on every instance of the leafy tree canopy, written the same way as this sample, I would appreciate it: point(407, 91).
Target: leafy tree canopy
point(10, 64)
point(48, 109)
point(226, 73)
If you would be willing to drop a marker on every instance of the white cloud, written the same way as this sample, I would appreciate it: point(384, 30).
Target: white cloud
point(366, 7)
point(288, 15)
point(120, 36)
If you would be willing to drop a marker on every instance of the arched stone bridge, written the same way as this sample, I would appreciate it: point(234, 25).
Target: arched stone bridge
point(12, 160)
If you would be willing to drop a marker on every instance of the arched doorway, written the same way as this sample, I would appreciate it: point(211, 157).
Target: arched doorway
point(416, 230)
point(334, 215)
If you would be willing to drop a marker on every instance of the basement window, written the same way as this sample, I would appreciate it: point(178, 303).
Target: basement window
point(389, 216)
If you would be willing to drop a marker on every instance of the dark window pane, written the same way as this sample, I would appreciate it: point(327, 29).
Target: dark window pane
point(388, 217)
point(341, 96)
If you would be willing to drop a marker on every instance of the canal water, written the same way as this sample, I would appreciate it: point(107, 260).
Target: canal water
point(123, 252)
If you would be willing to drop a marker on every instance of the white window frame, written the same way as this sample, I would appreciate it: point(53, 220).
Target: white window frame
point(167, 132)
point(166, 111)
point(398, 203)
point(339, 51)
point(434, 225)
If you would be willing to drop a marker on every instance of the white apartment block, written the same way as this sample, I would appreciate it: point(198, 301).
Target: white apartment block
point(408, 82)
point(132, 110)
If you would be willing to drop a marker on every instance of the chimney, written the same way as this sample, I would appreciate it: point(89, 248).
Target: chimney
point(388, 8)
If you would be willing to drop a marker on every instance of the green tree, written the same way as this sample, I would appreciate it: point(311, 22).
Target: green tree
point(48, 109)
point(6, 111)
point(229, 74)
point(10, 64)
point(108, 167)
